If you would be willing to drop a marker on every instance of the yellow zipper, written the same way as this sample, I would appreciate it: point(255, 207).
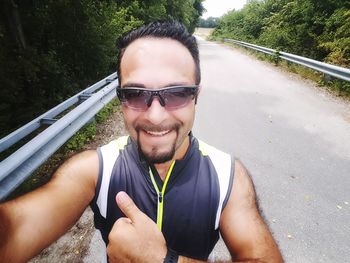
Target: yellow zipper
point(160, 194)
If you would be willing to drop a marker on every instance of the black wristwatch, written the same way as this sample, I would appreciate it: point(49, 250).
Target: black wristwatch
point(171, 256)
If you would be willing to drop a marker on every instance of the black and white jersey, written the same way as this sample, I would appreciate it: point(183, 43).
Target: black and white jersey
point(186, 206)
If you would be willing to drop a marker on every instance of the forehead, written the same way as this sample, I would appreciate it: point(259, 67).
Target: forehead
point(157, 62)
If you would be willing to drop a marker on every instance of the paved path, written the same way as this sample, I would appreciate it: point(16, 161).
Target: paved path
point(295, 140)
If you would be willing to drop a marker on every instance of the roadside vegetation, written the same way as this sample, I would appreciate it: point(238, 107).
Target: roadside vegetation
point(311, 28)
point(209, 22)
point(52, 49)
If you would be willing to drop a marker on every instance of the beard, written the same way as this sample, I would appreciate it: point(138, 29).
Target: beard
point(155, 156)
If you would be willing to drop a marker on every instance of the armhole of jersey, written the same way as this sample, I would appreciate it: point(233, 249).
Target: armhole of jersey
point(108, 155)
point(229, 190)
point(223, 166)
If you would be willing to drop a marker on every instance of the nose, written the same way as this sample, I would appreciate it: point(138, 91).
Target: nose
point(156, 113)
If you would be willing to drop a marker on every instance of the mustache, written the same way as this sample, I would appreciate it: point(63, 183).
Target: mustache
point(157, 128)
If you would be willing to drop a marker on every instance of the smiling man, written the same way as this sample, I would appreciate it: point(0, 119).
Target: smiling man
point(161, 126)
point(160, 194)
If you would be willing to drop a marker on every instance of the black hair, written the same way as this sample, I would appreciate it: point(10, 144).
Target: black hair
point(161, 29)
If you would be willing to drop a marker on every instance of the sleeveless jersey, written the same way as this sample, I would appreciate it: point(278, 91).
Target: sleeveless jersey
point(186, 206)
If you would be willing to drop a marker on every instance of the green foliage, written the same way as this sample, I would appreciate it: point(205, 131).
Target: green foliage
point(311, 28)
point(336, 38)
point(51, 49)
point(106, 111)
point(210, 22)
point(83, 136)
point(88, 132)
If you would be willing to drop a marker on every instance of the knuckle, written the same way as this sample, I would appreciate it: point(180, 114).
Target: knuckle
point(119, 227)
point(130, 207)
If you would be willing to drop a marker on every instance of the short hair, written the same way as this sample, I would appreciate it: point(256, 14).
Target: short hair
point(161, 29)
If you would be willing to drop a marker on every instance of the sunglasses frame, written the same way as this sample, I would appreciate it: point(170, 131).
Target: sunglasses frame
point(151, 93)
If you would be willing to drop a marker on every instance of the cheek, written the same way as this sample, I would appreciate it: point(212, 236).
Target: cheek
point(130, 117)
point(186, 116)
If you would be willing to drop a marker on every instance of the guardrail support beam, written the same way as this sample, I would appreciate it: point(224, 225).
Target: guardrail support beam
point(328, 69)
point(47, 121)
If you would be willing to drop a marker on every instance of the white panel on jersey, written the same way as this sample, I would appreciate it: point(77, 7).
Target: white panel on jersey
point(109, 154)
point(222, 163)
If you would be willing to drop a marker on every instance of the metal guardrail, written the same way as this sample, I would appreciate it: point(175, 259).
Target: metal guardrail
point(19, 165)
point(328, 69)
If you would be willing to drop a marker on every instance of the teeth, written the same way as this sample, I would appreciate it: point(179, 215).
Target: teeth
point(158, 133)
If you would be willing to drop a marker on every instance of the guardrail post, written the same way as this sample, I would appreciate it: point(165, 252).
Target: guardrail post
point(327, 77)
point(276, 57)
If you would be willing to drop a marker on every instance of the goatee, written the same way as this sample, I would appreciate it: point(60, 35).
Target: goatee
point(154, 156)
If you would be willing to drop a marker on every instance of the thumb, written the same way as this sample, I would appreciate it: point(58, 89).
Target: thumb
point(128, 207)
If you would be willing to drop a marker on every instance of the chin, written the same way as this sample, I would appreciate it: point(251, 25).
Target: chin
point(156, 157)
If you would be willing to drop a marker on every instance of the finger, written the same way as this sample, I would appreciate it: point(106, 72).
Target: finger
point(128, 207)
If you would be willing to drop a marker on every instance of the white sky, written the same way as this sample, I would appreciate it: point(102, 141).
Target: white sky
point(217, 8)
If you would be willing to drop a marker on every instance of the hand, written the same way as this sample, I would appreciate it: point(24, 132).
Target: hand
point(135, 238)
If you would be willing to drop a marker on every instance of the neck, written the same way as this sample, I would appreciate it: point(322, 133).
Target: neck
point(162, 168)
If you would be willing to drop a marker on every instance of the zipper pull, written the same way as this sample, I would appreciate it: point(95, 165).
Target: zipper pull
point(160, 197)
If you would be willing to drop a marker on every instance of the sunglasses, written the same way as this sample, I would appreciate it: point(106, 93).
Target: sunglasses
point(171, 98)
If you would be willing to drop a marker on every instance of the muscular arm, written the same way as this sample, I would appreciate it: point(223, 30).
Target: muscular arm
point(32, 222)
point(244, 231)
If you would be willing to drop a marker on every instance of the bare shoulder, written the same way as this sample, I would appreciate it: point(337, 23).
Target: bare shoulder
point(243, 191)
point(241, 225)
point(83, 167)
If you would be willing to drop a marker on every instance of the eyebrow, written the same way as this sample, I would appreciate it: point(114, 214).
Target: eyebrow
point(133, 84)
point(140, 85)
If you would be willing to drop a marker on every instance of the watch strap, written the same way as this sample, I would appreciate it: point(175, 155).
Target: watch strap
point(171, 256)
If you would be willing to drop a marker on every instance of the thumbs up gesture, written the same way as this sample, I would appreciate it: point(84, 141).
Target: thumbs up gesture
point(135, 238)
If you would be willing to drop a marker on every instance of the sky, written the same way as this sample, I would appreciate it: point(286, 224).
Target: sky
point(217, 8)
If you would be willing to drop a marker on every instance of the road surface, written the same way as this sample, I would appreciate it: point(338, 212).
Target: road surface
point(295, 140)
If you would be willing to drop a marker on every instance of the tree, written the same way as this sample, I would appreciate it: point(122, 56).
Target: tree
point(310, 28)
point(51, 49)
point(210, 22)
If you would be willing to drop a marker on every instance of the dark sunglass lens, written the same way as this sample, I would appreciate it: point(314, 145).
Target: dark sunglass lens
point(135, 98)
point(177, 97)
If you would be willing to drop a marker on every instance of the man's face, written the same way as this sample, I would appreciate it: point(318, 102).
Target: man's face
point(158, 63)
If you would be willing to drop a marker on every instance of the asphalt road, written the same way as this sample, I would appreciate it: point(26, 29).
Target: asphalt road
point(295, 140)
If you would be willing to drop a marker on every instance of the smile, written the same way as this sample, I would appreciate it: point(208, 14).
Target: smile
point(158, 134)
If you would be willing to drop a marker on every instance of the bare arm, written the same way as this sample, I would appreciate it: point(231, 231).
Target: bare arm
point(243, 229)
point(32, 222)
